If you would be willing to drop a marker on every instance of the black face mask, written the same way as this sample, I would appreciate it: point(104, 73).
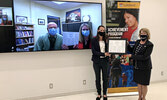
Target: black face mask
point(101, 33)
point(143, 37)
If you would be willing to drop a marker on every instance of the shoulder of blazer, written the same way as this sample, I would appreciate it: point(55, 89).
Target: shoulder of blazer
point(136, 43)
point(93, 39)
point(148, 44)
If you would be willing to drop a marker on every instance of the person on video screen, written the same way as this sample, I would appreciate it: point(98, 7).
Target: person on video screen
point(85, 36)
point(51, 40)
point(131, 20)
point(4, 20)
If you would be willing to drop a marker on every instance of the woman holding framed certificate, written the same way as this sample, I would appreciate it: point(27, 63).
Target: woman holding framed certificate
point(141, 54)
point(100, 61)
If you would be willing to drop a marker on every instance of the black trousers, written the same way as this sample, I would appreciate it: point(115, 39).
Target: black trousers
point(102, 65)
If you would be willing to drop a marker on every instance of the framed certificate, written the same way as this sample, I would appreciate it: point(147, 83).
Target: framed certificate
point(117, 46)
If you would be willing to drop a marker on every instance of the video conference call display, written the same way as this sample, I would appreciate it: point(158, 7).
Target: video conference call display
point(47, 25)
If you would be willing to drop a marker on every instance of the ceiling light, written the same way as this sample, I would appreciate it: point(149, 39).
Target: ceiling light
point(58, 2)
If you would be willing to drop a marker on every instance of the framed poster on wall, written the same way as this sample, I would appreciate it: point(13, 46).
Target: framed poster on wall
point(73, 16)
point(21, 19)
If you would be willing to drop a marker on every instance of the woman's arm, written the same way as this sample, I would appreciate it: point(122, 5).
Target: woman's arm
point(146, 54)
point(131, 48)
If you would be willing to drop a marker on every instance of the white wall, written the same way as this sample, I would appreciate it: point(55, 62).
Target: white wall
point(153, 16)
point(24, 75)
point(29, 74)
point(22, 9)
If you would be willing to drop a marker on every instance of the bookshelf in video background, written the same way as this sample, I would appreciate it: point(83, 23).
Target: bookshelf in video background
point(24, 37)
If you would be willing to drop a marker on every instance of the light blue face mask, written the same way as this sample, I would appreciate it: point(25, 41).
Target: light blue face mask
point(85, 33)
point(4, 18)
point(52, 31)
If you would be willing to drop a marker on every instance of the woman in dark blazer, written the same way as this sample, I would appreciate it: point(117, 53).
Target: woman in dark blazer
point(100, 61)
point(141, 55)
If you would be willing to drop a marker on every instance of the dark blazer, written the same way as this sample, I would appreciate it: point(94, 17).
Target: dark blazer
point(143, 58)
point(96, 50)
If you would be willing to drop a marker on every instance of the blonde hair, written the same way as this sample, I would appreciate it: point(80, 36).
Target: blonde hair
point(80, 32)
point(146, 30)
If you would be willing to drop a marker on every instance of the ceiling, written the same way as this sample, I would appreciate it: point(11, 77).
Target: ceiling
point(63, 6)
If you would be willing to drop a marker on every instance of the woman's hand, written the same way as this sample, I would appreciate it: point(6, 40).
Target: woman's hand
point(65, 47)
point(75, 46)
point(127, 42)
point(107, 54)
point(129, 55)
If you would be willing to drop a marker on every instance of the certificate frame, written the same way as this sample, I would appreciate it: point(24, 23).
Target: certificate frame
point(117, 46)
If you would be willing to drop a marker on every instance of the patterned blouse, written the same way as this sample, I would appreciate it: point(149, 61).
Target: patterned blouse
point(138, 48)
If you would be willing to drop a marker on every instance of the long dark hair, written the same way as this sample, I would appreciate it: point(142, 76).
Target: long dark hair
point(97, 36)
point(134, 12)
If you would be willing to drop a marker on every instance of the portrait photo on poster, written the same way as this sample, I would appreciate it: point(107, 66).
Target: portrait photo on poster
point(117, 46)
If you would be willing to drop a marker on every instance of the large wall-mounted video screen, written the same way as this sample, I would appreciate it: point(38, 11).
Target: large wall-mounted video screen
point(7, 33)
point(44, 25)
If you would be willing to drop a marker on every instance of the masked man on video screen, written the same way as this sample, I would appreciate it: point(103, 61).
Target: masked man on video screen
point(50, 41)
